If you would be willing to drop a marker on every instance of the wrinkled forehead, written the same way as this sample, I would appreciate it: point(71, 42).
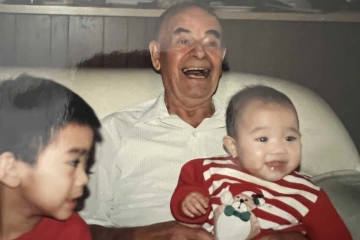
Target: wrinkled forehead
point(194, 19)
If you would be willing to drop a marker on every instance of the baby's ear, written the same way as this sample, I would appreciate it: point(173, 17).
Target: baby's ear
point(230, 145)
point(9, 170)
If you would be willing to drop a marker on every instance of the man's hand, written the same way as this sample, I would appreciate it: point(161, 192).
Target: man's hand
point(284, 236)
point(160, 231)
point(171, 231)
point(195, 204)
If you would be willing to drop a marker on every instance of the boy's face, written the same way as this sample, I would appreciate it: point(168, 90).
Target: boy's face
point(52, 186)
point(268, 140)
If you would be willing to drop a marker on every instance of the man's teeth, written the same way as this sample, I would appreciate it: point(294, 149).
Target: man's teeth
point(195, 69)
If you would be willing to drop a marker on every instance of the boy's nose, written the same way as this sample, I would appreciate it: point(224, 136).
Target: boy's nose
point(82, 178)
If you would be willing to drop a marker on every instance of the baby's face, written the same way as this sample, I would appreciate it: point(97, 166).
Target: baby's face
point(268, 140)
point(52, 186)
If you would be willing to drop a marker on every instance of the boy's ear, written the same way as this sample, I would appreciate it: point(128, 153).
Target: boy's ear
point(154, 47)
point(9, 170)
point(230, 145)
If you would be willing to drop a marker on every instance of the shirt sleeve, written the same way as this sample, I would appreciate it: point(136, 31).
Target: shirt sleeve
point(323, 221)
point(102, 179)
point(191, 179)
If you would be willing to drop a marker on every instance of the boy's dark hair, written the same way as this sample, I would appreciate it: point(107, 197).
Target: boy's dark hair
point(178, 8)
point(256, 92)
point(33, 109)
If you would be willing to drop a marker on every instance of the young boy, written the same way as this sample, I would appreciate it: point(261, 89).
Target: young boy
point(256, 190)
point(47, 133)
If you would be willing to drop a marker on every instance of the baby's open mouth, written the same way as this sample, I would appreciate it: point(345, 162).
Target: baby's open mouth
point(277, 165)
point(196, 72)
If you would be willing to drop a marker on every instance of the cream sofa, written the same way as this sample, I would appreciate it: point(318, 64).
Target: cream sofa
point(329, 154)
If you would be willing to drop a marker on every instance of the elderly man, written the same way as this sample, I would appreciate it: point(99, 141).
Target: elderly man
point(146, 145)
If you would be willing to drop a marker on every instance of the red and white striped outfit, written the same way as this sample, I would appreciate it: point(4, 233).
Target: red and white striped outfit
point(293, 203)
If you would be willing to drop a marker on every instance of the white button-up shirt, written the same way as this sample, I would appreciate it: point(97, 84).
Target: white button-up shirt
point(139, 161)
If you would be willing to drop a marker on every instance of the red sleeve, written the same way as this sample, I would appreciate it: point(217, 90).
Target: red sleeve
point(191, 179)
point(75, 229)
point(323, 221)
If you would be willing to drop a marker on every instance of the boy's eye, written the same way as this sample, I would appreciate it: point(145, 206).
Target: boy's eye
point(262, 139)
point(290, 138)
point(75, 163)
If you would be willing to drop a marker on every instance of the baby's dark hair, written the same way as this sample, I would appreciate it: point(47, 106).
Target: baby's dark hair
point(256, 92)
point(178, 8)
point(32, 110)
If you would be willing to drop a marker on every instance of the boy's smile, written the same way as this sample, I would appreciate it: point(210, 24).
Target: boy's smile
point(52, 186)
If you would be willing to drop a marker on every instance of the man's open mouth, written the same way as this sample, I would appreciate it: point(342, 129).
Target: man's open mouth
point(196, 72)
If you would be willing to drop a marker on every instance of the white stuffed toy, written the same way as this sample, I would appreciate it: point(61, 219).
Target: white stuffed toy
point(234, 219)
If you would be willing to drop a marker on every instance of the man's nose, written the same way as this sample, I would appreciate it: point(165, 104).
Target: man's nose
point(198, 50)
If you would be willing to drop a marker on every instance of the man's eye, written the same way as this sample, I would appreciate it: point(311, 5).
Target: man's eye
point(212, 44)
point(290, 138)
point(75, 163)
point(184, 41)
point(262, 139)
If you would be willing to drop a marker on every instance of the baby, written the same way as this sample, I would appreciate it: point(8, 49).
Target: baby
point(47, 133)
point(256, 190)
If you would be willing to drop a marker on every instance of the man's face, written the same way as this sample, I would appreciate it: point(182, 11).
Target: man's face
point(52, 186)
point(189, 55)
point(268, 142)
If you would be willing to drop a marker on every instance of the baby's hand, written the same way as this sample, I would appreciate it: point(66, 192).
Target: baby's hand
point(195, 204)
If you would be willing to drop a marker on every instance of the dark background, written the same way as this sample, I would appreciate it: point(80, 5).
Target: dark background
point(323, 56)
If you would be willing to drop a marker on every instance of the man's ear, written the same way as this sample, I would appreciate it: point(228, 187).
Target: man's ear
point(9, 170)
point(154, 47)
point(230, 145)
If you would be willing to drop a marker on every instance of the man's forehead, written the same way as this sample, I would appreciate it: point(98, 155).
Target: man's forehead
point(190, 19)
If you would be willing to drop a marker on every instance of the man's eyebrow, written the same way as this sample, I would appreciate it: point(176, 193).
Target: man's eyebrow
point(211, 32)
point(180, 30)
point(214, 32)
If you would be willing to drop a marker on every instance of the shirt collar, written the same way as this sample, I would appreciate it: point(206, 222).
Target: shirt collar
point(159, 111)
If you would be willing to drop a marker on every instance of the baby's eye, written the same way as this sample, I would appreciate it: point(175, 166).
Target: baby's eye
point(262, 139)
point(290, 138)
point(75, 163)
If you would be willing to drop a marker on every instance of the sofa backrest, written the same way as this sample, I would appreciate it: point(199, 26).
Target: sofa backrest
point(326, 144)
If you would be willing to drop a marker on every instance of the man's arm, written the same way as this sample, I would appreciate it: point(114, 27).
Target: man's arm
point(284, 236)
point(160, 231)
